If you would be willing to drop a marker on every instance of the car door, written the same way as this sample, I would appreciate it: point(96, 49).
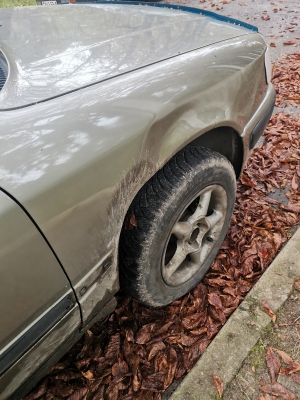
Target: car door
point(35, 293)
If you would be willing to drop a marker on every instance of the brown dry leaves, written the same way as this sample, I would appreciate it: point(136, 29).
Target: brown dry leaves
point(297, 284)
point(218, 384)
point(269, 310)
point(273, 364)
point(137, 352)
point(275, 367)
point(286, 79)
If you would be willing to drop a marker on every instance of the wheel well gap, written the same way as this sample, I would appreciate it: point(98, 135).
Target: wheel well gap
point(226, 141)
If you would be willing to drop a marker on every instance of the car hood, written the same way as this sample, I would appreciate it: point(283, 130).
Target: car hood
point(54, 50)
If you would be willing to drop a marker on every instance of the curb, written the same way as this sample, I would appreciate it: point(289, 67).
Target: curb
point(227, 352)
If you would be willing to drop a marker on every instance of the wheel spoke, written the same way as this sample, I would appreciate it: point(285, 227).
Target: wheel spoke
point(202, 207)
point(195, 263)
point(206, 247)
point(213, 219)
point(176, 261)
point(196, 257)
point(181, 230)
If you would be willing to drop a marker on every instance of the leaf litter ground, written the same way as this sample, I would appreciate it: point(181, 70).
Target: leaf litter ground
point(137, 352)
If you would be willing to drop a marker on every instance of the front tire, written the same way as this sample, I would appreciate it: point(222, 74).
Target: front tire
point(182, 215)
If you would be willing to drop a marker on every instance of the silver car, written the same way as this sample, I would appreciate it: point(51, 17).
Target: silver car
point(123, 129)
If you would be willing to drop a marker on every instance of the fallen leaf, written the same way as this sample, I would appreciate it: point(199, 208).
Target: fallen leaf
point(218, 384)
point(268, 310)
point(273, 364)
point(285, 357)
point(154, 382)
point(277, 74)
point(291, 207)
point(119, 370)
point(113, 347)
point(277, 389)
point(145, 333)
point(88, 375)
point(293, 367)
point(297, 284)
point(192, 321)
point(156, 347)
point(172, 364)
point(294, 183)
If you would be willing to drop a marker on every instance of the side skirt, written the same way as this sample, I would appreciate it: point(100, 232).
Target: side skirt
point(33, 379)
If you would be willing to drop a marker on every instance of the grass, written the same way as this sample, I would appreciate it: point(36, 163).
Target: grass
point(17, 3)
point(257, 355)
point(258, 352)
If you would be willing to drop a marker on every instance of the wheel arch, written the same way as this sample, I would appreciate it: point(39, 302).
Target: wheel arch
point(226, 141)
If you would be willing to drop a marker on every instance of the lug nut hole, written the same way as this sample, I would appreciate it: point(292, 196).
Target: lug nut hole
point(194, 235)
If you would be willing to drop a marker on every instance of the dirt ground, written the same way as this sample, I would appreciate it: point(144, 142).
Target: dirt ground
point(284, 335)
